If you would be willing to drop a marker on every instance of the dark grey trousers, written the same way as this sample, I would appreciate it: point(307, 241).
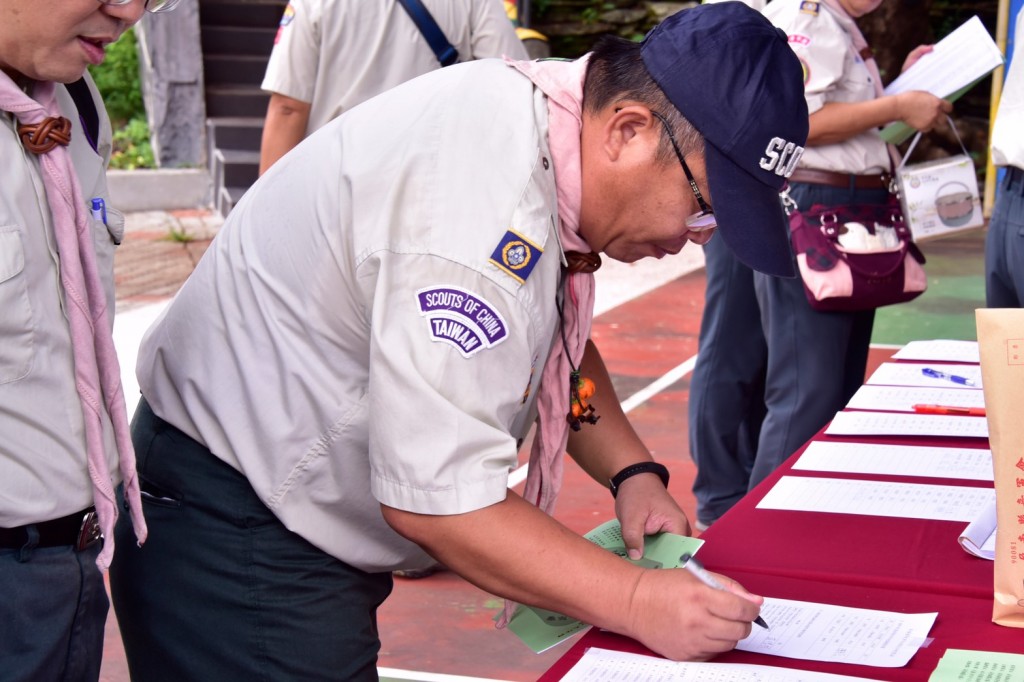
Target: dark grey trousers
point(1004, 244)
point(53, 608)
point(222, 590)
point(816, 360)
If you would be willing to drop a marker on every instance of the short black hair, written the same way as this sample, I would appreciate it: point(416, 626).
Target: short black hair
point(616, 72)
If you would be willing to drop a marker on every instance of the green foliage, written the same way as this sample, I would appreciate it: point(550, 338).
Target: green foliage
point(131, 146)
point(179, 236)
point(592, 14)
point(118, 81)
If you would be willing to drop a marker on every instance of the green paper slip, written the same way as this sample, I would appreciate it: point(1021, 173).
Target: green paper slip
point(961, 665)
point(541, 629)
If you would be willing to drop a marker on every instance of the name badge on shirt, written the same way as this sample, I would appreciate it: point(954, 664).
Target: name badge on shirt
point(461, 318)
point(516, 255)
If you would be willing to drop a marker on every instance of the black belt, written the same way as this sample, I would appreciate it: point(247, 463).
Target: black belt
point(79, 530)
point(845, 180)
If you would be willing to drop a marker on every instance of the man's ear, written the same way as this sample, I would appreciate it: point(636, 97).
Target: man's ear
point(628, 128)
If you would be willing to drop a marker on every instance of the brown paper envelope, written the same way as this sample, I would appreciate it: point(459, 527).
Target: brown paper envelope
point(1001, 345)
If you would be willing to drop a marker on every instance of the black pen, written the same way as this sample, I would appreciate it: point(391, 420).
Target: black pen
point(694, 567)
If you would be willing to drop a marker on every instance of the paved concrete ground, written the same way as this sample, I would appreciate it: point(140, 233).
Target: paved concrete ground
point(159, 251)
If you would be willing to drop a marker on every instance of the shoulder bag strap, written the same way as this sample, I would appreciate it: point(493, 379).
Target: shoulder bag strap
point(443, 50)
point(87, 112)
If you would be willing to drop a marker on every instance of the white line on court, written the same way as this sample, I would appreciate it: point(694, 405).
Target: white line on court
point(648, 392)
point(628, 405)
point(388, 674)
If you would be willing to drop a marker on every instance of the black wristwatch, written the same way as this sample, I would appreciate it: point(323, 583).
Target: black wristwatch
point(639, 468)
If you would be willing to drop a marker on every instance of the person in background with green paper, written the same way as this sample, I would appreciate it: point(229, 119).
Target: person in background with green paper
point(793, 372)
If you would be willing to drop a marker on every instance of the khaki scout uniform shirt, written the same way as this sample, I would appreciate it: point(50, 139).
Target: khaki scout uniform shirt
point(335, 54)
point(371, 323)
point(833, 72)
point(42, 433)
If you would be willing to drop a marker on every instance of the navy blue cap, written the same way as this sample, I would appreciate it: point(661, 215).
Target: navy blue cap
point(732, 74)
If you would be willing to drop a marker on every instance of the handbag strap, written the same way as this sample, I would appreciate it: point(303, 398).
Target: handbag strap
point(917, 138)
point(425, 22)
point(87, 112)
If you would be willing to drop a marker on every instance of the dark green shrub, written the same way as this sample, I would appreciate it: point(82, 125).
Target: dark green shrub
point(118, 81)
point(131, 146)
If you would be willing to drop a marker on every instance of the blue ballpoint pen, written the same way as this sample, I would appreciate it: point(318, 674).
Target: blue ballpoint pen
point(99, 210)
point(688, 562)
point(936, 374)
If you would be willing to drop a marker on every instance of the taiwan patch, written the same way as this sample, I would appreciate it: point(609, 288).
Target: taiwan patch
point(461, 318)
point(516, 255)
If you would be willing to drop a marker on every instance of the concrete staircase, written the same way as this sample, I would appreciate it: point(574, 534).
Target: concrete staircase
point(237, 37)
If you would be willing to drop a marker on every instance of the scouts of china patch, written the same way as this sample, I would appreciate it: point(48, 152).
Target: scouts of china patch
point(461, 319)
point(809, 8)
point(516, 255)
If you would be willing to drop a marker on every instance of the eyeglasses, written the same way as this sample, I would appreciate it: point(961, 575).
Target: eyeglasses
point(152, 6)
point(704, 220)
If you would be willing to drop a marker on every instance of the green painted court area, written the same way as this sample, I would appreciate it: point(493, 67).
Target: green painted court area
point(956, 287)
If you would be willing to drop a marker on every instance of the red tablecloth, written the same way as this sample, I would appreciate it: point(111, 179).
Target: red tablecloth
point(875, 551)
point(883, 563)
point(963, 623)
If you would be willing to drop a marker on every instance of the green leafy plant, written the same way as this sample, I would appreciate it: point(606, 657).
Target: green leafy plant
point(119, 83)
point(179, 235)
point(117, 79)
point(132, 149)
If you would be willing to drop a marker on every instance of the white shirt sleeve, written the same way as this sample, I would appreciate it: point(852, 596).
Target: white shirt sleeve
point(292, 69)
point(818, 42)
point(493, 34)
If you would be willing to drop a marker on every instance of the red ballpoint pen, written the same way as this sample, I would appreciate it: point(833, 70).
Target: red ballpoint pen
point(949, 409)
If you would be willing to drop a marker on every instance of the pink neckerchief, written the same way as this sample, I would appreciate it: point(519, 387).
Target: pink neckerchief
point(562, 83)
point(97, 373)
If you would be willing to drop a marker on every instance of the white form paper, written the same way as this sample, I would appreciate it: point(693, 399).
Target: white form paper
point(910, 374)
point(957, 62)
point(839, 634)
point(903, 398)
point(945, 350)
point(877, 498)
point(907, 424)
point(897, 460)
point(604, 665)
point(959, 59)
point(979, 538)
